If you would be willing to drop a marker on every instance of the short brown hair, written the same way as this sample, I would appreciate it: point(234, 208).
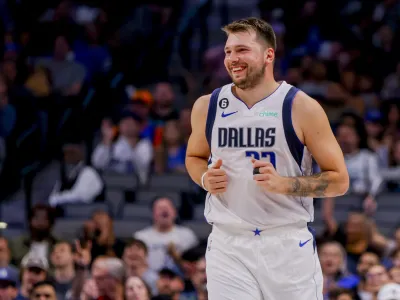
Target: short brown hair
point(138, 243)
point(263, 29)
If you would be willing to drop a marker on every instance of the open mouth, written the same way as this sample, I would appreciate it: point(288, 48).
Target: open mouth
point(238, 70)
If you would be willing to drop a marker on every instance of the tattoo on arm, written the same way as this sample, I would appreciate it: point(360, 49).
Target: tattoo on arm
point(309, 186)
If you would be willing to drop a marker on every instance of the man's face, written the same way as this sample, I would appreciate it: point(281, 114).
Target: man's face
point(164, 213)
point(105, 283)
point(8, 291)
point(4, 253)
point(62, 255)
point(40, 220)
point(32, 275)
point(164, 285)
point(44, 292)
point(246, 59)
point(367, 260)
point(377, 276)
point(199, 277)
point(134, 256)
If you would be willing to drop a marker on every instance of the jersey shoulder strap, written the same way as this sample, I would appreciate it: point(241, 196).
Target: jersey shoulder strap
point(212, 111)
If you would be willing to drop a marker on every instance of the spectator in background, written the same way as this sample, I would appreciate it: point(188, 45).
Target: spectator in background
point(165, 236)
point(341, 294)
point(375, 132)
point(170, 155)
point(40, 240)
point(129, 153)
point(391, 119)
point(5, 257)
point(62, 260)
point(392, 173)
point(8, 284)
point(135, 258)
point(43, 290)
point(34, 268)
point(79, 183)
point(377, 277)
point(164, 100)
point(391, 86)
point(357, 235)
point(8, 114)
point(67, 76)
point(136, 289)
point(100, 232)
point(199, 280)
point(169, 285)
point(389, 291)
point(141, 103)
point(365, 262)
point(394, 274)
point(185, 123)
point(94, 56)
point(362, 165)
point(109, 277)
point(3, 153)
point(333, 263)
point(163, 109)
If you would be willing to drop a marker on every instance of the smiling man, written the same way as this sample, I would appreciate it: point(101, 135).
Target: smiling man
point(251, 148)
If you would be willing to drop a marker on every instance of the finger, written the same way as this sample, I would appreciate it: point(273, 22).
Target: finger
point(78, 246)
point(261, 177)
point(218, 191)
point(219, 185)
point(267, 170)
point(218, 179)
point(216, 172)
point(217, 164)
point(261, 163)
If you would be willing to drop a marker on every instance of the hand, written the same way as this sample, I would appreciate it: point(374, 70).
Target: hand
point(216, 180)
point(369, 205)
point(83, 256)
point(90, 289)
point(268, 178)
point(172, 251)
point(107, 131)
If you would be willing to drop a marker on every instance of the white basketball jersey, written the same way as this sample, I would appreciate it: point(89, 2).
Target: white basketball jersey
point(237, 133)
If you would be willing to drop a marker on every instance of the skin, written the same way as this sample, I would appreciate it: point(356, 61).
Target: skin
point(253, 60)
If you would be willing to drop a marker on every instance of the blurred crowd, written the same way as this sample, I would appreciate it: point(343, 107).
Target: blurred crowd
point(94, 85)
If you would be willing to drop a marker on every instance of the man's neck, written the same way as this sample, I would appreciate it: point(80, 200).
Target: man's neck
point(138, 270)
point(132, 141)
point(25, 291)
point(259, 92)
point(64, 274)
point(164, 229)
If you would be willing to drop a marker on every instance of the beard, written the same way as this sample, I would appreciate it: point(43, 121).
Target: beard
point(252, 79)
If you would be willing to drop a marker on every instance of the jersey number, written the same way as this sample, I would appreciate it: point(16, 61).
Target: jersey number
point(263, 154)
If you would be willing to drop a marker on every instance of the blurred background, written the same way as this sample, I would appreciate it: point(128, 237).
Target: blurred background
point(95, 104)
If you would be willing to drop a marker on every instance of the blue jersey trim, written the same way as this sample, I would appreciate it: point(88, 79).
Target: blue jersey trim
point(212, 111)
point(295, 145)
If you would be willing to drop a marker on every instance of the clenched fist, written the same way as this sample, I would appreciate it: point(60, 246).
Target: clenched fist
point(216, 180)
point(267, 177)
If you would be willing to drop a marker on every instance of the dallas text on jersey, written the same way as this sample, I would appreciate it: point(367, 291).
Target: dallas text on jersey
point(251, 137)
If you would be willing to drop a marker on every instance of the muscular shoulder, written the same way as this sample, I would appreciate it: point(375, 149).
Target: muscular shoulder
point(201, 105)
point(305, 106)
point(200, 111)
point(307, 114)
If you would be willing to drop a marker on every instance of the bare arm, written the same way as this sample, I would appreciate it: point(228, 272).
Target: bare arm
point(313, 128)
point(198, 150)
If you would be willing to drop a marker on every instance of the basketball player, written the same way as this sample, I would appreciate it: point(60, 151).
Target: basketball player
point(251, 149)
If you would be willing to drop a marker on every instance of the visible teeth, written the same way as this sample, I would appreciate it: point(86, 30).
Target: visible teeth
point(237, 69)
